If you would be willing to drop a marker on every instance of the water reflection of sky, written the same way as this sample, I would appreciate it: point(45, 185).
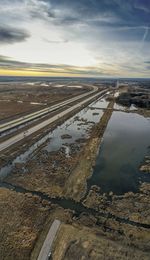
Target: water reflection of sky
point(77, 127)
point(101, 103)
point(124, 147)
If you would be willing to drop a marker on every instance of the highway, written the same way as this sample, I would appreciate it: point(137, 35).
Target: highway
point(11, 141)
point(24, 119)
point(47, 246)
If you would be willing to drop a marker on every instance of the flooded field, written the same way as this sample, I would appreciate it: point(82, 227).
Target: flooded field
point(125, 143)
point(75, 128)
point(72, 130)
point(101, 103)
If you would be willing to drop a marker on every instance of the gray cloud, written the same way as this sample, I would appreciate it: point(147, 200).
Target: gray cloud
point(12, 35)
point(113, 31)
point(104, 15)
point(10, 64)
point(55, 42)
point(143, 5)
point(147, 65)
point(106, 19)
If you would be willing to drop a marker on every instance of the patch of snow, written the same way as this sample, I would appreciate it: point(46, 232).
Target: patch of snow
point(74, 86)
point(44, 85)
point(59, 86)
point(116, 94)
point(36, 103)
point(31, 83)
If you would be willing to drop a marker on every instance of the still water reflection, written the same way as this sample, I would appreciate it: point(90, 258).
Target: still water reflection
point(126, 141)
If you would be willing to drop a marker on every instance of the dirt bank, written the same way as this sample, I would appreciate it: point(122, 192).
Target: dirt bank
point(75, 186)
point(82, 242)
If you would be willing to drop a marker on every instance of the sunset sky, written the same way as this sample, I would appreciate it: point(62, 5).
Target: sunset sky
point(86, 38)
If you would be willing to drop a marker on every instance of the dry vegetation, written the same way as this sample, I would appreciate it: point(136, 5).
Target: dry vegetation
point(26, 218)
point(76, 184)
point(18, 99)
point(78, 242)
point(22, 217)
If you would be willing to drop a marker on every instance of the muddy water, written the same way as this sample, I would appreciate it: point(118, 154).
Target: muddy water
point(76, 127)
point(125, 143)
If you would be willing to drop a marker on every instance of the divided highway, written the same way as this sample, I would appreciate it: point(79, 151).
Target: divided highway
point(24, 119)
point(11, 141)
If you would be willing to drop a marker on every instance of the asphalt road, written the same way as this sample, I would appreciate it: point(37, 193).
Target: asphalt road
point(11, 141)
point(47, 246)
point(16, 122)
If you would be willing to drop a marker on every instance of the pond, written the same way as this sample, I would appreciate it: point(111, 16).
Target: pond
point(125, 143)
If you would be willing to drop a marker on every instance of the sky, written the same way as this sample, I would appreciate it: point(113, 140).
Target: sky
point(80, 38)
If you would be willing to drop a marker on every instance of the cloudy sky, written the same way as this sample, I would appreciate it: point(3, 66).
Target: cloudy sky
point(94, 38)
